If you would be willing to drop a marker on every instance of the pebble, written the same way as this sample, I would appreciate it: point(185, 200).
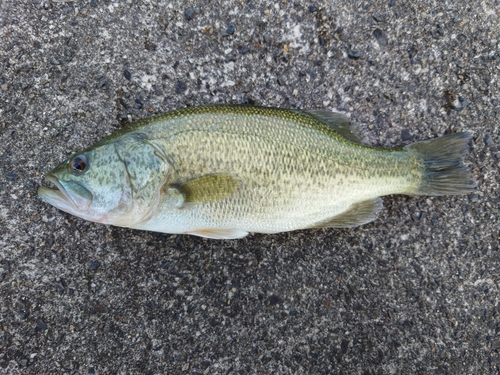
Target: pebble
point(463, 102)
point(417, 216)
point(12, 176)
point(473, 198)
point(189, 14)
point(138, 104)
point(244, 50)
point(54, 61)
point(381, 37)
point(274, 299)
point(23, 314)
point(405, 135)
point(247, 100)
point(489, 141)
point(312, 9)
point(102, 82)
point(353, 54)
point(180, 87)
point(41, 325)
point(94, 265)
point(230, 30)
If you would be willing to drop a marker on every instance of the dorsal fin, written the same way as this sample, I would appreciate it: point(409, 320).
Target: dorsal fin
point(337, 121)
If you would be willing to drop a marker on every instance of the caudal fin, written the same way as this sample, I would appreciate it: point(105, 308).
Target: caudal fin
point(444, 172)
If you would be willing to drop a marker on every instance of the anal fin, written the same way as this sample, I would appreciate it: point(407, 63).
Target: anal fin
point(358, 214)
point(219, 234)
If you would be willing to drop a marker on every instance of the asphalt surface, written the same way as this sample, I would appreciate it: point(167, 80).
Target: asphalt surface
point(415, 292)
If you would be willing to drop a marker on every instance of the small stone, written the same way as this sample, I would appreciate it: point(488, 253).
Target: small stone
point(180, 87)
point(94, 265)
point(230, 30)
point(247, 100)
point(189, 14)
point(54, 61)
point(392, 3)
point(138, 104)
point(352, 54)
point(102, 82)
point(380, 37)
point(127, 75)
point(41, 325)
point(149, 46)
point(417, 216)
point(24, 314)
point(207, 30)
point(12, 176)
point(405, 135)
point(473, 198)
point(463, 101)
point(244, 50)
point(312, 9)
point(489, 141)
point(274, 299)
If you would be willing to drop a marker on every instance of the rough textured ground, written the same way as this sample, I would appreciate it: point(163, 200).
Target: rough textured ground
point(415, 292)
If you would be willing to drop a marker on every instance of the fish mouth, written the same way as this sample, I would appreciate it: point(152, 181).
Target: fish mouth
point(68, 196)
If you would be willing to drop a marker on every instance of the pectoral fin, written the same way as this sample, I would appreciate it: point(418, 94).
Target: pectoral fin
point(209, 188)
point(219, 234)
point(358, 214)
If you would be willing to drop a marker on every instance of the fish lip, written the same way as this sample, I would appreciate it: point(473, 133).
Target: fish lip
point(60, 198)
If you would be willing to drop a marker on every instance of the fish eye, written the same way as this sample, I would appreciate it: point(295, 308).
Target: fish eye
point(78, 164)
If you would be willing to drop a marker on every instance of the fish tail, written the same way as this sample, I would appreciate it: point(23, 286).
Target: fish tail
point(444, 172)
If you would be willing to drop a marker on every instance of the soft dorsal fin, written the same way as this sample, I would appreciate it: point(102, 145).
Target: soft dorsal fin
point(219, 233)
point(208, 188)
point(358, 214)
point(337, 121)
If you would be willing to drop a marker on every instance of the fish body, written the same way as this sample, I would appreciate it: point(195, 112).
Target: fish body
point(224, 171)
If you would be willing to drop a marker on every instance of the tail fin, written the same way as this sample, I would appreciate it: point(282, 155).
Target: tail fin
point(444, 172)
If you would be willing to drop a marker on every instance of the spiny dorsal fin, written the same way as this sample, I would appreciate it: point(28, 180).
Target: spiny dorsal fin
point(338, 122)
point(209, 188)
point(219, 233)
point(358, 214)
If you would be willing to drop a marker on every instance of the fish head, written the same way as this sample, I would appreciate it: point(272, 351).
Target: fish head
point(93, 184)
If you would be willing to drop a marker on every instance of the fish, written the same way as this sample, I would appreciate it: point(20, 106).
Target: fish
point(225, 171)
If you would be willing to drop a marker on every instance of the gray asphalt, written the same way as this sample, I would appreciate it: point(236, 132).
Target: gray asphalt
point(415, 292)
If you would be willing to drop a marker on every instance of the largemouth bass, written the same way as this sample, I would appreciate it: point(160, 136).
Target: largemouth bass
point(225, 171)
